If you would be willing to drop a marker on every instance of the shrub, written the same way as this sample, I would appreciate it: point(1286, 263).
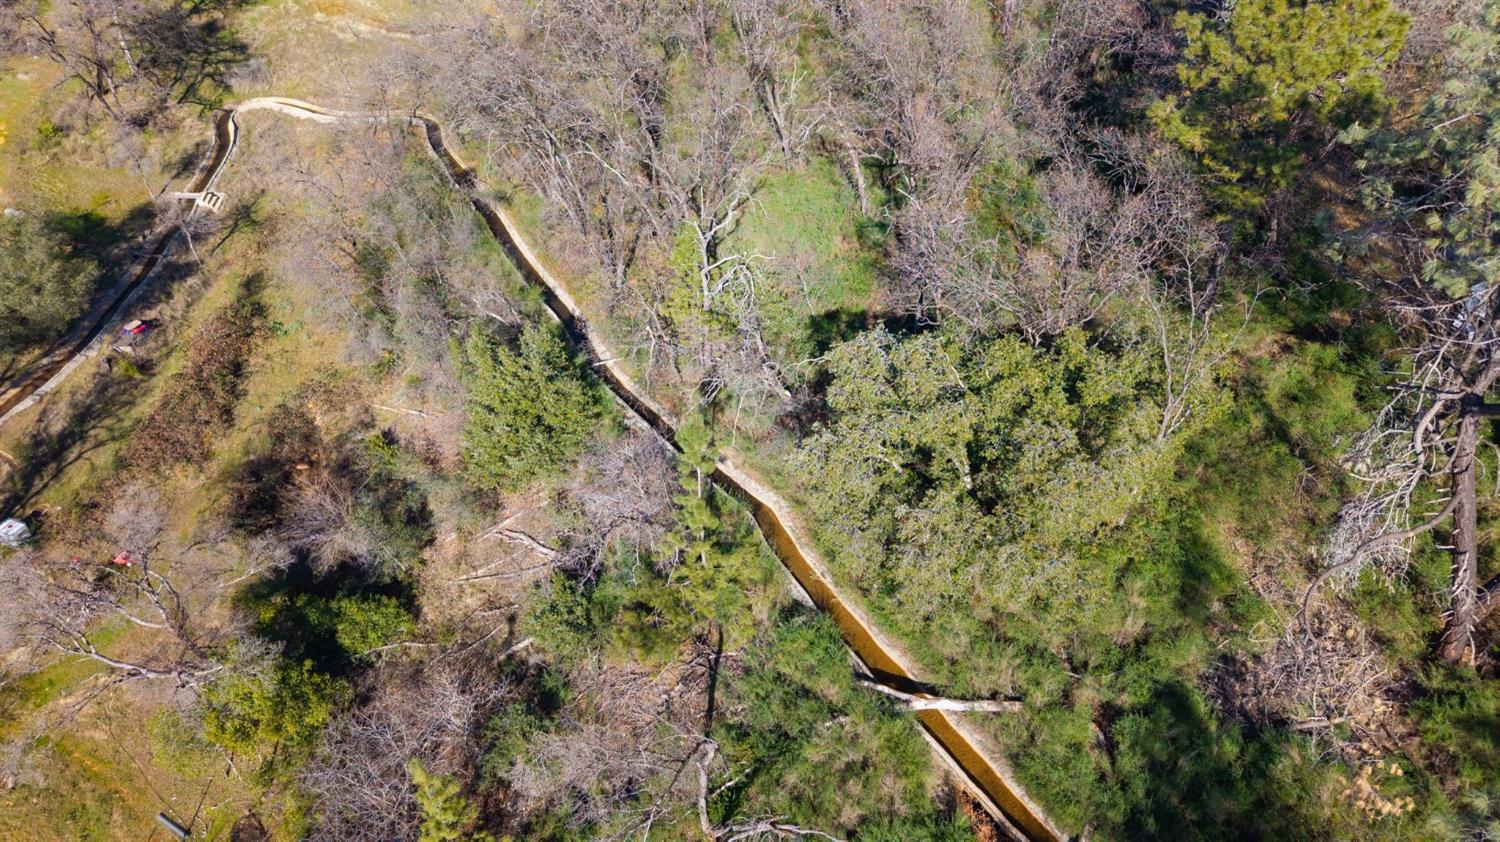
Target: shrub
point(271, 703)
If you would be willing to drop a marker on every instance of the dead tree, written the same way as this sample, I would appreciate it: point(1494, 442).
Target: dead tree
point(134, 58)
point(1429, 435)
point(1088, 244)
point(434, 711)
point(768, 33)
point(84, 37)
point(72, 605)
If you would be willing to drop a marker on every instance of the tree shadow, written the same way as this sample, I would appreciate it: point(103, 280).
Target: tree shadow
point(292, 605)
point(187, 50)
point(244, 217)
point(831, 327)
point(98, 237)
point(91, 421)
point(1195, 779)
point(290, 609)
point(99, 241)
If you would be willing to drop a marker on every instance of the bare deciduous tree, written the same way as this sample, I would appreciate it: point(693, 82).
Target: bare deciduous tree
point(435, 712)
point(83, 36)
point(625, 499)
point(768, 33)
point(1095, 242)
point(69, 601)
point(575, 104)
point(136, 57)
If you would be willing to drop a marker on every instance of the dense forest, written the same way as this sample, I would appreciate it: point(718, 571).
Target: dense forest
point(1124, 366)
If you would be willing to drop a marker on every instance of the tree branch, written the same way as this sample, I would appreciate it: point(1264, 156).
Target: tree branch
point(1374, 544)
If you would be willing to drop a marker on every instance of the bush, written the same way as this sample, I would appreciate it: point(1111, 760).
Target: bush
point(273, 703)
point(357, 623)
point(1459, 713)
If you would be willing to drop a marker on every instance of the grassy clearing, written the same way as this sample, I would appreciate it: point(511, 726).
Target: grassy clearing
point(36, 690)
point(117, 769)
point(294, 37)
point(811, 217)
point(23, 84)
point(41, 164)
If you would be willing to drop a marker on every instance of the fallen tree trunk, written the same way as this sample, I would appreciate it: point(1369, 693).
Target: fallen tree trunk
point(916, 702)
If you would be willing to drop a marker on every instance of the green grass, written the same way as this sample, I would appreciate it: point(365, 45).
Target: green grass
point(36, 690)
point(108, 784)
point(39, 166)
point(97, 776)
point(814, 215)
point(91, 810)
point(18, 121)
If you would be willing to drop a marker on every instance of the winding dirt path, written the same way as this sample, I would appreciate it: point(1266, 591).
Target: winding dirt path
point(987, 778)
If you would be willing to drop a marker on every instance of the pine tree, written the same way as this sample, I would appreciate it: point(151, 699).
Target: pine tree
point(711, 554)
point(1461, 136)
point(528, 409)
point(447, 816)
point(1262, 89)
point(1440, 176)
point(698, 523)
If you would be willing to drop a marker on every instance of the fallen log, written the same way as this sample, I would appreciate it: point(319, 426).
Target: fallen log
point(916, 702)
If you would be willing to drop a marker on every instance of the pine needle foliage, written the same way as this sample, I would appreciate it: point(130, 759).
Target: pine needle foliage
point(529, 408)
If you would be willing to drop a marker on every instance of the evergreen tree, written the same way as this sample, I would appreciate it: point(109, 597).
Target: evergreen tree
point(698, 523)
point(528, 409)
point(447, 816)
point(715, 563)
point(1264, 87)
point(1443, 177)
point(968, 478)
point(269, 704)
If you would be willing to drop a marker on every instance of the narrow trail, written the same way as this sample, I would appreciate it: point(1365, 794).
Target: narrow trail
point(987, 778)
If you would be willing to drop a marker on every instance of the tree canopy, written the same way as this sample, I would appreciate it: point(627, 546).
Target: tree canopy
point(971, 477)
point(1262, 88)
point(527, 409)
point(43, 284)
